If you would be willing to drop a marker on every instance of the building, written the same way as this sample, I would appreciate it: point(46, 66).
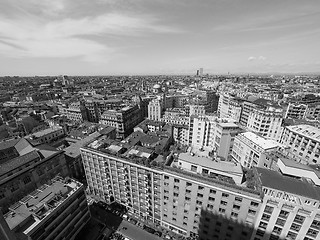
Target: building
point(23, 168)
point(48, 135)
point(180, 134)
point(57, 210)
point(76, 111)
point(290, 208)
point(266, 122)
point(212, 134)
point(175, 116)
point(250, 150)
point(73, 155)
point(124, 119)
point(155, 109)
point(303, 141)
point(206, 165)
point(185, 202)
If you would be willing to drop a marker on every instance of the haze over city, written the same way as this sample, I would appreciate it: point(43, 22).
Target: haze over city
point(158, 37)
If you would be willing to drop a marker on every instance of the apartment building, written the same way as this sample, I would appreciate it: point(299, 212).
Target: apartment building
point(185, 202)
point(296, 110)
point(155, 109)
point(124, 119)
point(303, 141)
point(180, 134)
point(250, 150)
point(290, 208)
point(223, 105)
point(24, 168)
point(212, 134)
point(266, 122)
point(76, 111)
point(175, 116)
point(57, 210)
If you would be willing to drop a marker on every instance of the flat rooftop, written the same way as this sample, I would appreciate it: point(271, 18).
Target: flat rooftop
point(260, 141)
point(223, 166)
point(45, 131)
point(36, 206)
point(275, 180)
point(307, 131)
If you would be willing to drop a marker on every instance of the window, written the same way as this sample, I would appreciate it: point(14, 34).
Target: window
point(233, 214)
point(223, 203)
point(174, 219)
point(200, 188)
point(237, 207)
point(299, 219)
point(265, 217)
point(188, 184)
point(291, 235)
point(254, 204)
point(268, 209)
point(200, 195)
point(252, 212)
point(188, 191)
point(175, 194)
point(213, 191)
point(284, 214)
point(238, 199)
point(222, 210)
point(280, 222)
point(225, 195)
point(263, 225)
point(312, 233)
point(176, 180)
point(184, 223)
point(198, 202)
point(176, 187)
point(295, 227)
point(316, 224)
point(210, 206)
point(277, 230)
point(187, 198)
point(193, 168)
point(211, 199)
point(260, 233)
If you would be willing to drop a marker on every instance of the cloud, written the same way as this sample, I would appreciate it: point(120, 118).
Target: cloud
point(21, 38)
point(260, 58)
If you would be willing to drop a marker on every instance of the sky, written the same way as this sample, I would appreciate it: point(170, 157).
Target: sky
point(120, 37)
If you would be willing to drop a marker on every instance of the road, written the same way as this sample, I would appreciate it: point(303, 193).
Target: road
point(135, 233)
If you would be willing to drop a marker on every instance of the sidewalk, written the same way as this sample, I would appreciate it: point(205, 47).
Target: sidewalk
point(135, 233)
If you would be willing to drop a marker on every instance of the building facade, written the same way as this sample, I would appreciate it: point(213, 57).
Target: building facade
point(57, 210)
point(304, 142)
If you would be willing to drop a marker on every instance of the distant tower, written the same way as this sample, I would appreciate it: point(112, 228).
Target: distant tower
point(201, 71)
point(197, 72)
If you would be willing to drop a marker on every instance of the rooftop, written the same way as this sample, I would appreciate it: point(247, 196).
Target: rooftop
point(275, 180)
point(37, 206)
point(45, 132)
point(307, 131)
point(260, 141)
point(223, 166)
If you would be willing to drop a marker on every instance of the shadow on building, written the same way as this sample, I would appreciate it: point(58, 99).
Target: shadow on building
point(216, 226)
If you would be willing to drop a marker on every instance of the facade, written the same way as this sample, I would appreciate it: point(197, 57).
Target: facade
point(296, 111)
point(266, 122)
point(212, 134)
point(185, 202)
point(124, 120)
point(57, 210)
point(48, 135)
point(250, 150)
point(23, 168)
point(155, 109)
point(304, 142)
point(290, 208)
point(76, 111)
point(180, 134)
point(175, 116)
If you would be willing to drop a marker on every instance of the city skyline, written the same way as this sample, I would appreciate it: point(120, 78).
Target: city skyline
point(107, 37)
